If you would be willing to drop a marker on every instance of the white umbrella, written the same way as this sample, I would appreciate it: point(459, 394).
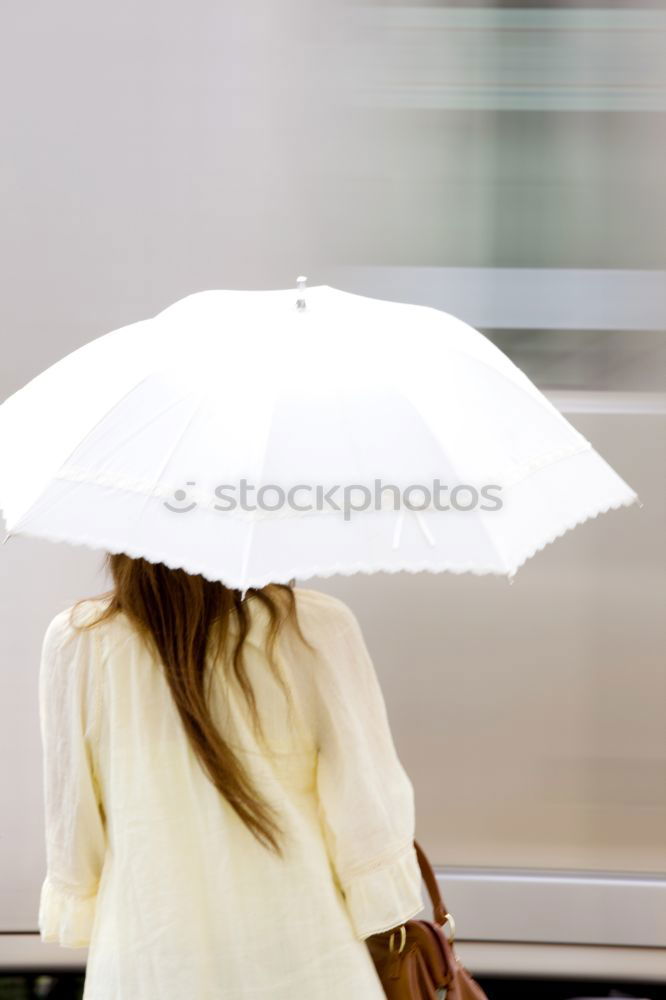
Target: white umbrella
point(140, 441)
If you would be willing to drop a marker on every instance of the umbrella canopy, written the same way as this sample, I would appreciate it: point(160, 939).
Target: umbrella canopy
point(340, 414)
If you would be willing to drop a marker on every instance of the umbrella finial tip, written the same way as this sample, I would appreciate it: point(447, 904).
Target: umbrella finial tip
point(300, 285)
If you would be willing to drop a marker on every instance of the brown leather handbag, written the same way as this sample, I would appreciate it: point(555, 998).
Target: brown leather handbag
point(416, 961)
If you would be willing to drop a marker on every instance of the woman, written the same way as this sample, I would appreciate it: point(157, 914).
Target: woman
point(226, 814)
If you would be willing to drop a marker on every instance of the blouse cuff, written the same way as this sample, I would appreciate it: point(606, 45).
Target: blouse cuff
point(385, 895)
point(65, 916)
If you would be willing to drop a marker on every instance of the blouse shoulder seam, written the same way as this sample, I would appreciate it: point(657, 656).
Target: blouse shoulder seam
point(59, 629)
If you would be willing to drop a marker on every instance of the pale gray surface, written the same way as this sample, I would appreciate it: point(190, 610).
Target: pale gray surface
point(523, 297)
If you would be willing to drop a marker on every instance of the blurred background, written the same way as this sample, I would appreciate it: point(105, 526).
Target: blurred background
point(503, 162)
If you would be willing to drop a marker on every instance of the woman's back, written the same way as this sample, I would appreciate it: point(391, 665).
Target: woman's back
point(153, 869)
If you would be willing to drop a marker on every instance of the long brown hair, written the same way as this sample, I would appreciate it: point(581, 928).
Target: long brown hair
point(185, 616)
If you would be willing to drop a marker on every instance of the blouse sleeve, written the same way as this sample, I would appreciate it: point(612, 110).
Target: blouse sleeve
point(73, 811)
point(366, 800)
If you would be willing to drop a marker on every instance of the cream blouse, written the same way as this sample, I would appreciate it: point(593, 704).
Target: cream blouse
point(150, 868)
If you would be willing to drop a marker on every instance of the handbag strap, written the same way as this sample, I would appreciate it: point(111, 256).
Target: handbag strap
point(439, 910)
